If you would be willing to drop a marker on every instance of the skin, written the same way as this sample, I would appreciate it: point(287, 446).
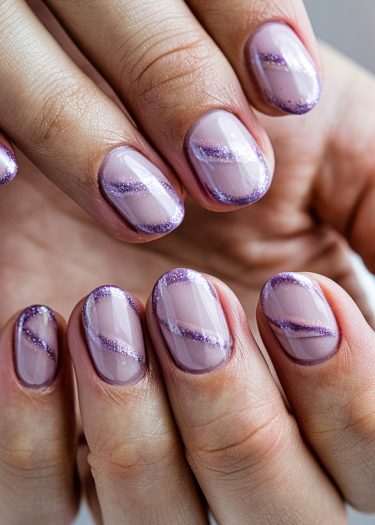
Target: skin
point(320, 200)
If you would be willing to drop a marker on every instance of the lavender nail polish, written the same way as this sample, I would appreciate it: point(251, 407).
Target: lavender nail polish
point(8, 165)
point(283, 68)
point(140, 192)
point(36, 346)
point(227, 160)
point(114, 335)
point(192, 320)
point(300, 317)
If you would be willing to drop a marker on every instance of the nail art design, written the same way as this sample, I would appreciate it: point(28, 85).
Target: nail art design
point(192, 320)
point(36, 346)
point(227, 160)
point(140, 192)
point(114, 335)
point(284, 70)
point(8, 165)
point(300, 317)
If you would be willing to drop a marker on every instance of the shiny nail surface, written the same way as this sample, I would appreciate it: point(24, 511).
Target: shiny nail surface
point(114, 335)
point(300, 317)
point(36, 346)
point(283, 68)
point(227, 160)
point(192, 320)
point(8, 165)
point(140, 192)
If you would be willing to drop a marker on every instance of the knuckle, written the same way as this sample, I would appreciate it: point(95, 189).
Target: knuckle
point(172, 61)
point(235, 445)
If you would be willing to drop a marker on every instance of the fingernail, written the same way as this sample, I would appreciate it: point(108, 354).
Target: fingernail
point(8, 165)
point(114, 335)
point(283, 68)
point(227, 160)
point(192, 320)
point(140, 192)
point(300, 317)
point(36, 346)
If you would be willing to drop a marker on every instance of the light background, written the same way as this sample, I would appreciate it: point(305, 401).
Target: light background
point(348, 25)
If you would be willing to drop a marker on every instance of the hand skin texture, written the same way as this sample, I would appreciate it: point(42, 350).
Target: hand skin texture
point(320, 202)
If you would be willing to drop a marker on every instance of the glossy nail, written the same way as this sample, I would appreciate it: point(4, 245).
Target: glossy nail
point(283, 68)
point(192, 320)
point(8, 165)
point(300, 317)
point(140, 192)
point(227, 160)
point(36, 346)
point(114, 335)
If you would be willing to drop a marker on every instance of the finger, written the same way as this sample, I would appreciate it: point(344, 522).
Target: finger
point(8, 162)
point(272, 48)
point(306, 319)
point(182, 92)
point(37, 430)
point(242, 444)
point(80, 138)
point(349, 163)
point(138, 465)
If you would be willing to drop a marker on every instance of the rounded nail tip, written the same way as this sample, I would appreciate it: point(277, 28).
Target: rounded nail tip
point(163, 228)
point(289, 107)
point(34, 310)
point(224, 198)
point(102, 291)
point(11, 170)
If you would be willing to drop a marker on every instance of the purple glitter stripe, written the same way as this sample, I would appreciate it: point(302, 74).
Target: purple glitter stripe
point(204, 151)
point(110, 345)
point(293, 278)
point(290, 326)
point(217, 342)
point(12, 168)
point(122, 188)
point(272, 58)
point(294, 108)
point(30, 313)
point(107, 290)
point(177, 276)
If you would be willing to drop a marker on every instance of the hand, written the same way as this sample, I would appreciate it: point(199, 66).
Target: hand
point(191, 406)
point(183, 75)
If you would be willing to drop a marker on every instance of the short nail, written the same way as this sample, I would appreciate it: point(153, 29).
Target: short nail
point(36, 346)
point(226, 159)
point(114, 335)
point(300, 317)
point(140, 192)
point(8, 165)
point(192, 320)
point(283, 68)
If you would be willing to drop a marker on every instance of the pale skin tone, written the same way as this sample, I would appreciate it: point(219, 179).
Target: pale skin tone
point(53, 253)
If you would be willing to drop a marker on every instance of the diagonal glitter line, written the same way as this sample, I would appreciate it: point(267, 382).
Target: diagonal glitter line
point(290, 326)
point(217, 342)
point(109, 345)
point(223, 154)
point(35, 340)
point(123, 188)
point(273, 60)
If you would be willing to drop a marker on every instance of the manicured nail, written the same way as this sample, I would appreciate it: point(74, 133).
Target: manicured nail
point(140, 192)
point(283, 68)
point(8, 165)
point(192, 320)
point(300, 317)
point(36, 346)
point(114, 335)
point(227, 160)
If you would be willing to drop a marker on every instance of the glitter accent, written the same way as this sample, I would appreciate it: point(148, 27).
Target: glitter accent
point(218, 342)
point(153, 186)
point(255, 196)
point(291, 327)
point(104, 342)
point(30, 313)
point(272, 61)
point(185, 276)
point(8, 165)
point(223, 154)
point(294, 108)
